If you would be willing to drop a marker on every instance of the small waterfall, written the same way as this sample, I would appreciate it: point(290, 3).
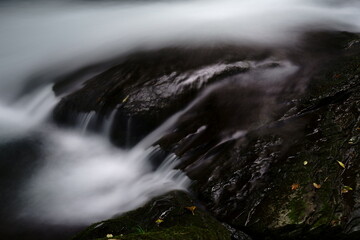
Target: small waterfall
point(85, 119)
point(128, 131)
point(83, 178)
point(80, 177)
point(108, 123)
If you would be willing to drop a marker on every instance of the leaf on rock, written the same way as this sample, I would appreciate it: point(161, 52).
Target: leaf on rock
point(295, 186)
point(352, 140)
point(346, 189)
point(159, 221)
point(126, 98)
point(191, 209)
point(341, 164)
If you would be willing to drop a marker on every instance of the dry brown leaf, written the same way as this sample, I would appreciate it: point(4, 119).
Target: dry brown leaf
point(191, 209)
point(295, 186)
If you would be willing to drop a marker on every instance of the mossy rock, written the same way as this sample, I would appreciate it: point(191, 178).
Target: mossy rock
point(285, 179)
point(171, 216)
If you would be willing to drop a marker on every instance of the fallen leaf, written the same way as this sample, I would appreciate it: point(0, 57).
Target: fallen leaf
point(159, 221)
point(334, 222)
point(352, 140)
point(125, 99)
point(191, 209)
point(295, 186)
point(317, 186)
point(109, 235)
point(341, 164)
point(306, 163)
point(346, 189)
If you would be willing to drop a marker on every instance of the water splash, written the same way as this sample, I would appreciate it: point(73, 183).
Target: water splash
point(27, 113)
point(84, 179)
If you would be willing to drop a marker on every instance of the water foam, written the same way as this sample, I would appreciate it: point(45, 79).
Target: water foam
point(66, 35)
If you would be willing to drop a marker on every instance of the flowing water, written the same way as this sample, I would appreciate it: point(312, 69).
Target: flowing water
point(57, 176)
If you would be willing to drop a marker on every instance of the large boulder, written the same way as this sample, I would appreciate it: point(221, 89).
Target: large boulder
point(272, 150)
point(146, 88)
point(294, 176)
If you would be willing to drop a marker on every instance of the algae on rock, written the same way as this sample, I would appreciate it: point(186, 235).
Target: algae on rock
point(177, 222)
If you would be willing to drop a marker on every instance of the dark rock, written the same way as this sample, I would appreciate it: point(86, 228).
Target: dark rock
point(165, 217)
point(148, 87)
point(268, 178)
point(265, 151)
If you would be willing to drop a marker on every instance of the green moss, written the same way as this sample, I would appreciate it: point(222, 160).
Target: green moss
point(173, 233)
point(177, 222)
point(297, 209)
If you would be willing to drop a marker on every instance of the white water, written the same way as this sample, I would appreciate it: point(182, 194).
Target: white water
point(26, 114)
point(83, 178)
point(40, 35)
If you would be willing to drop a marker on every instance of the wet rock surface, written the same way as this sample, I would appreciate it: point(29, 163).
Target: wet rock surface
point(300, 170)
point(272, 149)
point(171, 216)
point(148, 87)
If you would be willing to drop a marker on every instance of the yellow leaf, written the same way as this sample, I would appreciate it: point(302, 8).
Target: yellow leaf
point(159, 221)
point(109, 235)
point(341, 164)
point(306, 163)
point(125, 99)
point(191, 209)
point(295, 186)
point(317, 186)
point(344, 190)
point(347, 188)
